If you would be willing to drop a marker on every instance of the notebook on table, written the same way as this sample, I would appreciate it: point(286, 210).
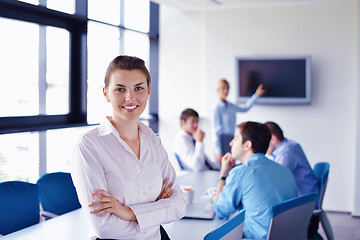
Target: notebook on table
point(200, 211)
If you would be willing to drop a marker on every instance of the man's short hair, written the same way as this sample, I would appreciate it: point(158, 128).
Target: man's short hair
point(275, 130)
point(188, 113)
point(257, 133)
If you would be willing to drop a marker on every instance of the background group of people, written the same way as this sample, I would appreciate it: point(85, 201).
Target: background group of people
point(125, 180)
point(273, 169)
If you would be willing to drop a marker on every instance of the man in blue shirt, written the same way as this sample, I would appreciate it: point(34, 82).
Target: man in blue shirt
point(290, 154)
point(256, 185)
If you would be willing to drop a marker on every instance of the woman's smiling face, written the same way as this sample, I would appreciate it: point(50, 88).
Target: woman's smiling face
point(128, 94)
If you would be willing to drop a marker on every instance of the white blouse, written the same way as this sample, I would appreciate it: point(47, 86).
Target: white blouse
point(192, 156)
point(102, 160)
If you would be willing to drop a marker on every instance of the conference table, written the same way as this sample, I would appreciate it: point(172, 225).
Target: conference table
point(74, 225)
point(195, 229)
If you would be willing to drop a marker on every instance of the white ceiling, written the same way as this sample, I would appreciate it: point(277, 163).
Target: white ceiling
point(199, 5)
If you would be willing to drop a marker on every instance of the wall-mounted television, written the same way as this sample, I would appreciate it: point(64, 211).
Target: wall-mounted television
point(287, 80)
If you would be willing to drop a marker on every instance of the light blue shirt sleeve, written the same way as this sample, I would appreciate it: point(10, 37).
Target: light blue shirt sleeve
point(230, 197)
point(248, 104)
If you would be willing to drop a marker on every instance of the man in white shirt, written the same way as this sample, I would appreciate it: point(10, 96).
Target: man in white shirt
point(188, 144)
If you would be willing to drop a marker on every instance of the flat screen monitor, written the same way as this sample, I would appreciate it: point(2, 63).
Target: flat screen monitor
point(285, 79)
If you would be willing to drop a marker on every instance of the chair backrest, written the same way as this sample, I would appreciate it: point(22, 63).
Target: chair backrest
point(57, 193)
point(19, 206)
point(232, 229)
point(290, 219)
point(321, 171)
point(179, 162)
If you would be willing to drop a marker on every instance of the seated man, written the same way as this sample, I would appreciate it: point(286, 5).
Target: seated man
point(256, 185)
point(188, 144)
point(290, 154)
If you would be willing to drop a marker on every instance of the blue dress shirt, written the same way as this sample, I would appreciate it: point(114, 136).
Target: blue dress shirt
point(255, 186)
point(291, 155)
point(225, 119)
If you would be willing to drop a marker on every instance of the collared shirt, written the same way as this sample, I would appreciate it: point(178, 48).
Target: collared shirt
point(192, 156)
point(291, 155)
point(103, 160)
point(225, 119)
point(255, 186)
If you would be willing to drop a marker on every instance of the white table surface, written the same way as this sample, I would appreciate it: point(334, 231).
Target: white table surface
point(193, 229)
point(72, 225)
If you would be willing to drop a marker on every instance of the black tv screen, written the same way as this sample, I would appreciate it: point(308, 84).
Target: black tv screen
point(286, 80)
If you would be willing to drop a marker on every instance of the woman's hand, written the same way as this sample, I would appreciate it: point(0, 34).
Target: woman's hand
point(105, 203)
point(166, 190)
point(260, 90)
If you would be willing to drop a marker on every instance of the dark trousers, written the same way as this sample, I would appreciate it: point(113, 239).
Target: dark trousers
point(163, 234)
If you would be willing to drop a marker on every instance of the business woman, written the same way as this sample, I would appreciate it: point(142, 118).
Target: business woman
point(120, 169)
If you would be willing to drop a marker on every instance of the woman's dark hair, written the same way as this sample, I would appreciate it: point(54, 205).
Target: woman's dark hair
point(257, 133)
point(124, 62)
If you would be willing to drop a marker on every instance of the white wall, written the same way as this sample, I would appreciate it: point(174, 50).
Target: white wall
point(197, 49)
point(356, 210)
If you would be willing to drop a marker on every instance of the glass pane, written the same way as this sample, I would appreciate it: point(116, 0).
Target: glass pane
point(107, 11)
point(136, 14)
point(67, 6)
point(137, 44)
point(34, 2)
point(19, 157)
point(103, 47)
point(19, 48)
point(59, 155)
point(57, 74)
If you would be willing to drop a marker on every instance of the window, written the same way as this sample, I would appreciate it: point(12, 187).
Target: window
point(19, 157)
point(103, 46)
point(66, 6)
point(51, 81)
point(57, 71)
point(19, 60)
point(140, 20)
point(59, 147)
point(107, 11)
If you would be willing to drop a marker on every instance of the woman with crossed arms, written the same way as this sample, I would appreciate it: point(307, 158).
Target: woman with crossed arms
point(120, 169)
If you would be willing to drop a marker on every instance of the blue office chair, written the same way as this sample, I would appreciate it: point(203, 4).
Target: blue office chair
point(290, 219)
point(232, 229)
point(19, 206)
point(321, 170)
point(57, 194)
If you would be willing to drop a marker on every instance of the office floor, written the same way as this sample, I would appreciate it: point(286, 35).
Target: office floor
point(345, 227)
